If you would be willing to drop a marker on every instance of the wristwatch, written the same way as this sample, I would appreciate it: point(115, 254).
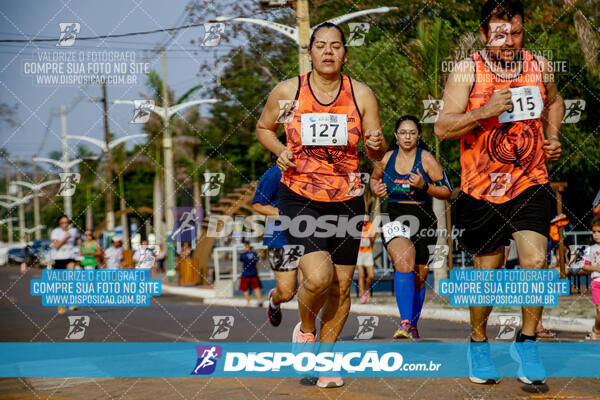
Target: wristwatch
point(424, 187)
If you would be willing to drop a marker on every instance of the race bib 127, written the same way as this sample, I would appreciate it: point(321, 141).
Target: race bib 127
point(323, 129)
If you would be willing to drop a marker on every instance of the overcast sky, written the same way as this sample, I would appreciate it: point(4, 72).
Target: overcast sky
point(38, 132)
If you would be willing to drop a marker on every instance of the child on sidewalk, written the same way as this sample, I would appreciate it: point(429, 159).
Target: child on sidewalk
point(591, 263)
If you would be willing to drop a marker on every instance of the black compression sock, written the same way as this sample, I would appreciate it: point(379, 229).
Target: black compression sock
point(522, 338)
point(476, 341)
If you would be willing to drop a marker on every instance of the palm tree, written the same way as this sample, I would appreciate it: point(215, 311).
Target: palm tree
point(123, 163)
point(588, 41)
point(432, 46)
point(88, 170)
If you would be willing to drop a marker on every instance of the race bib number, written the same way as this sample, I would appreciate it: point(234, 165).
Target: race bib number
point(324, 129)
point(65, 251)
point(395, 229)
point(527, 104)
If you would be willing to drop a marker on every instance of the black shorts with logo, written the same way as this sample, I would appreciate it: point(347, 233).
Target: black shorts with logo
point(343, 249)
point(280, 261)
point(488, 226)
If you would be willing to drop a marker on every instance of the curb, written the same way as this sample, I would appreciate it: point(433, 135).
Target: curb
point(454, 315)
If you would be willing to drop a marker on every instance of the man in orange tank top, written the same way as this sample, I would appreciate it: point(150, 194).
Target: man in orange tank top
point(503, 104)
point(329, 114)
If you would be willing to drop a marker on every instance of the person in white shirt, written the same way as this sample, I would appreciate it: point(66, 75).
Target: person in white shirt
point(114, 254)
point(144, 257)
point(591, 263)
point(64, 241)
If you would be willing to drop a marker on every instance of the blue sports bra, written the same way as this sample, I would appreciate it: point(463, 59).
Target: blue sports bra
point(398, 187)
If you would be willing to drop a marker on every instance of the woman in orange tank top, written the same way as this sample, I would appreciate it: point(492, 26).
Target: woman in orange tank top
point(325, 115)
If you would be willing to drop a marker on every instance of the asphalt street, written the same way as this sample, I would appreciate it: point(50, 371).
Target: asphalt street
point(180, 319)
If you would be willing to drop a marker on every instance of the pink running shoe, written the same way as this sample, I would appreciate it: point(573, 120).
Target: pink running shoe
point(329, 382)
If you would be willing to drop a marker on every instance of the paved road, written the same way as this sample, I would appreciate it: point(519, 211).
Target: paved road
point(180, 319)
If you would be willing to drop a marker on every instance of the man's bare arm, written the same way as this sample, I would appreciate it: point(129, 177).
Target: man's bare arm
point(554, 109)
point(553, 113)
point(453, 122)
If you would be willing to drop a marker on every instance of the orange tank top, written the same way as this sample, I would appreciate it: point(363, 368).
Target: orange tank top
point(365, 238)
point(501, 160)
point(323, 172)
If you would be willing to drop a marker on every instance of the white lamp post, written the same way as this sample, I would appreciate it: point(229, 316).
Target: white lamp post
point(36, 201)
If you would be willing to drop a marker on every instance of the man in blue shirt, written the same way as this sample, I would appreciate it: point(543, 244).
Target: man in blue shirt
point(265, 202)
point(249, 279)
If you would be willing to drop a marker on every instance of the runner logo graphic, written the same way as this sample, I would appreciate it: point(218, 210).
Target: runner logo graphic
point(287, 111)
point(187, 222)
point(499, 183)
point(498, 33)
point(141, 111)
point(223, 324)
point(207, 359)
point(68, 33)
point(431, 110)
point(366, 327)
point(213, 182)
point(358, 32)
point(212, 34)
point(77, 325)
point(68, 182)
point(508, 326)
point(438, 253)
point(573, 111)
point(291, 255)
point(357, 181)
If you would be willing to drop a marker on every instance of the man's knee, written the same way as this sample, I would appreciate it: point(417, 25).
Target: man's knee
point(341, 289)
point(318, 281)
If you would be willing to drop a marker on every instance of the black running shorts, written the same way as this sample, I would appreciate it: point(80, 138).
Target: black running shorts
point(341, 244)
point(488, 226)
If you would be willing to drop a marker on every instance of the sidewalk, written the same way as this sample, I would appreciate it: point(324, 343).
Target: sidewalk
point(434, 308)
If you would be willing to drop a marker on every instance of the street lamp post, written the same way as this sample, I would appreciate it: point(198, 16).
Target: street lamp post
point(36, 201)
point(29, 231)
point(8, 221)
point(165, 113)
point(301, 33)
point(106, 148)
point(66, 165)
point(20, 202)
point(68, 205)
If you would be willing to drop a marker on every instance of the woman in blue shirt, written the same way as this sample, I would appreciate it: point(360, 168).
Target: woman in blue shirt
point(410, 176)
